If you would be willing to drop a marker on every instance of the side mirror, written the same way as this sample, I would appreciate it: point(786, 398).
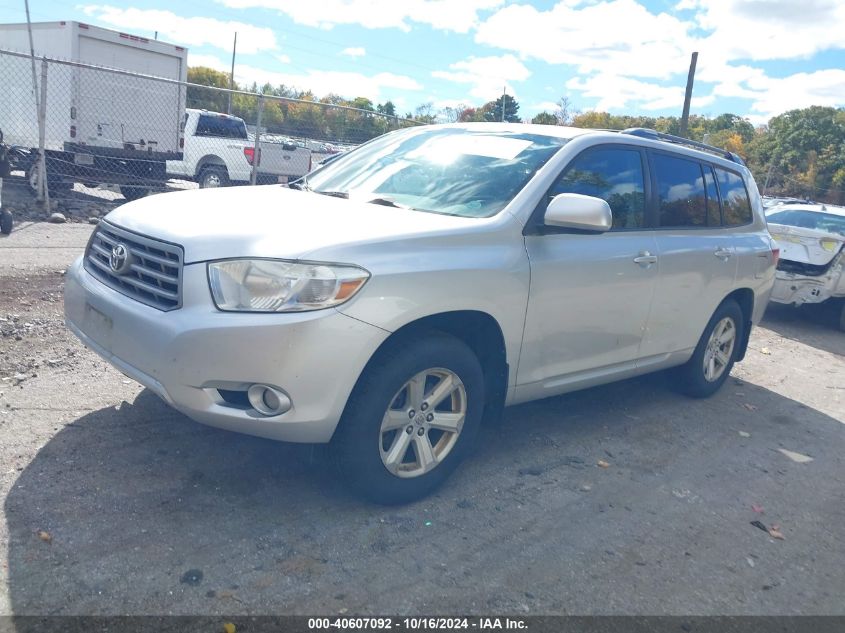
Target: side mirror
point(575, 211)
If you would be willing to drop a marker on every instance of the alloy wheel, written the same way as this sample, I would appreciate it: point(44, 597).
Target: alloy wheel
point(423, 422)
point(719, 350)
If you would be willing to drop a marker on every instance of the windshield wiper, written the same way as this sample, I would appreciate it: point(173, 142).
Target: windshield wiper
point(333, 194)
point(387, 202)
point(300, 184)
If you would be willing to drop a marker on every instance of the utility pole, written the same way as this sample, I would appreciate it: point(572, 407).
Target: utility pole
point(504, 98)
point(232, 74)
point(688, 95)
point(42, 193)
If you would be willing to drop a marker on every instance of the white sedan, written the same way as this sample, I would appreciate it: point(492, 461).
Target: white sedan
point(812, 253)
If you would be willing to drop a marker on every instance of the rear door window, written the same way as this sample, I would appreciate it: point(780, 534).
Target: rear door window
point(612, 174)
point(682, 201)
point(736, 207)
point(714, 213)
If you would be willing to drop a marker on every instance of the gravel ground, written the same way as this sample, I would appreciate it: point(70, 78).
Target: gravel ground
point(115, 504)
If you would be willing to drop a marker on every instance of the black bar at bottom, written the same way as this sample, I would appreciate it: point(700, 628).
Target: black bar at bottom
point(367, 624)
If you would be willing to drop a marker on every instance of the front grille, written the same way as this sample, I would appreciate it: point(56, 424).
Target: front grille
point(154, 274)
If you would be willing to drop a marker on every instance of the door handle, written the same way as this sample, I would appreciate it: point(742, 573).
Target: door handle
point(645, 259)
point(723, 253)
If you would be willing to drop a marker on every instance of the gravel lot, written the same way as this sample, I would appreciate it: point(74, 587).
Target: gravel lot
point(114, 504)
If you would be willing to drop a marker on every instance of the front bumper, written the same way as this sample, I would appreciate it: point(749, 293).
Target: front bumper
point(186, 355)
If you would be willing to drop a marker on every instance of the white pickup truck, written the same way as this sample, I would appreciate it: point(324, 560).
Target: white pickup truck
point(218, 151)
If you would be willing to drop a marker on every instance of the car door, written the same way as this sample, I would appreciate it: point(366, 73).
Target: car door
point(698, 259)
point(590, 294)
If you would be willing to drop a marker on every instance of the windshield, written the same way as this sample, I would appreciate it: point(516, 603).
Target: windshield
point(809, 220)
point(441, 170)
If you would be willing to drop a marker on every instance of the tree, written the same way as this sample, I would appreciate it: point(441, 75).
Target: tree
point(565, 112)
point(424, 113)
point(387, 108)
point(544, 118)
point(804, 150)
point(213, 100)
point(493, 109)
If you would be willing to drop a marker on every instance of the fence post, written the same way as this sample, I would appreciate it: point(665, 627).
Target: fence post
point(256, 157)
point(42, 132)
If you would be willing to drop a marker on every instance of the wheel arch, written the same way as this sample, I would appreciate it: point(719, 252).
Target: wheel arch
point(209, 160)
point(484, 336)
point(745, 299)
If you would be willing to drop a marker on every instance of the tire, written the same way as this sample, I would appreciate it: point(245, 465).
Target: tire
point(5, 222)
point(699, 378)
point(54, 183)
point(382, 463)
point(133, 193)
point(842, 316)
point(213, 176)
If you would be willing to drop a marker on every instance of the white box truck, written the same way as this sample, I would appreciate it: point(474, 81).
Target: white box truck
point(100, 127)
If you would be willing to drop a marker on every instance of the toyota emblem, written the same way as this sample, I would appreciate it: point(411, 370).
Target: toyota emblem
point(121, 259)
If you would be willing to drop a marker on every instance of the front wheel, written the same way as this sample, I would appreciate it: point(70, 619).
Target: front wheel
point(412, 417)
point(714, 356)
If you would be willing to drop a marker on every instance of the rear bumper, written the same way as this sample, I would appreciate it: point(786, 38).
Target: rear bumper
point(797, 289)
point(186, 355)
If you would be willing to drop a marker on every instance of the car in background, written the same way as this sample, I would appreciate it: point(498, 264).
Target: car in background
point(811, 268)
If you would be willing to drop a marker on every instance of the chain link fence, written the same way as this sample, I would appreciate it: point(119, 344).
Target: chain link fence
point(114, 134)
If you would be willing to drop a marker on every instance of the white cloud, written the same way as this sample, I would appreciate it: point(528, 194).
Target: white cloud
point(284, 59)
point(487, 76)
point(193, 31)
point(544, 106)
point(801, 90)
point(619, 36)
point(619, 48)
point(354, 51)
point(447, 15)
point(771, 29)
point(348, 84)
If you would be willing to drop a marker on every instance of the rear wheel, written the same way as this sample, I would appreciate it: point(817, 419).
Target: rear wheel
point(213, 176)
point(842, 316)
point(714, 356)
point(411, 419)
point(133, 193)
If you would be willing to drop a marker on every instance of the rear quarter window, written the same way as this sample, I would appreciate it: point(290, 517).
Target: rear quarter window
point(220, 127)
point(736, 206)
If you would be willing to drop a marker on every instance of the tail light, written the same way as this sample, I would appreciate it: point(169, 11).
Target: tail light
point(249, 153)
point(73, 131)
point(775, 255)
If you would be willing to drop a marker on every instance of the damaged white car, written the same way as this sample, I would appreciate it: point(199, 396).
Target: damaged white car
point(812, 254)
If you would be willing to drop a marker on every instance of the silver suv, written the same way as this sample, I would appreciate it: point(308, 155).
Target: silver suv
point(397, 298)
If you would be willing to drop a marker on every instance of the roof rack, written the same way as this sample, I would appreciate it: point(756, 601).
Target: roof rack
point(643, 132)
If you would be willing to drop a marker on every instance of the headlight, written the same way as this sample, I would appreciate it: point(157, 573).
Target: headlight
point(274, 285)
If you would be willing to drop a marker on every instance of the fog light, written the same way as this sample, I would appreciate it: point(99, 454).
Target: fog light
point(267, 400)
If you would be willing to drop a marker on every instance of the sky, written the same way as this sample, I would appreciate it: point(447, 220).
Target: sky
point(757, 58)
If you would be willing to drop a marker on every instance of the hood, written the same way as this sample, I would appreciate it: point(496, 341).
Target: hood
point(271, 221)
point(808, 246)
